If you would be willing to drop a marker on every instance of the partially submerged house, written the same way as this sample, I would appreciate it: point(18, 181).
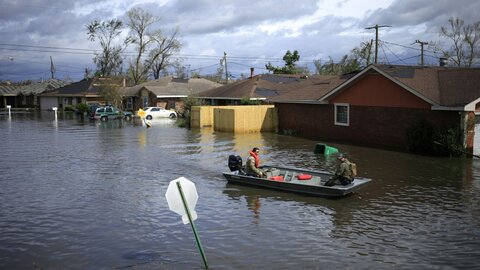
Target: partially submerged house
point(166, 92)
point(25, 96)
point(375, 106)
point(84, 91)
point(379, 104)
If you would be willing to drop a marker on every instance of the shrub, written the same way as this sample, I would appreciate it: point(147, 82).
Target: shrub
point(419, 137)
point(82, 107)
point(448, 141)
point(423, 138)
point(247, 101)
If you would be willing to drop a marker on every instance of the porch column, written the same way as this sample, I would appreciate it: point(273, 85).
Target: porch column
point(468, 126)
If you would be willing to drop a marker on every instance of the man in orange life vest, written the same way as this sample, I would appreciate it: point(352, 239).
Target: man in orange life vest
point(253, 162)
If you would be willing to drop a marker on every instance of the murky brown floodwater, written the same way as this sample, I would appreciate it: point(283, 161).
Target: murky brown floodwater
point(91, 195)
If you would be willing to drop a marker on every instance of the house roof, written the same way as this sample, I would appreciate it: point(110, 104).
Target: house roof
point(311, 88)
point(34, 88)
point(265, 86)
point(172, 87)
point(459, 87)
point(9, 90)
point(439, 86)
point(85, 87)
point(79, 88)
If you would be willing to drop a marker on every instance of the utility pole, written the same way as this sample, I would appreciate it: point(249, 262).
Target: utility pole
point(52, 68)
point(376, 38)
point(421, 46)
point(369, 48)
point(225, 62)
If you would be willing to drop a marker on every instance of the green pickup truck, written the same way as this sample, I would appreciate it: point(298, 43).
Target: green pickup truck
point(109, 112)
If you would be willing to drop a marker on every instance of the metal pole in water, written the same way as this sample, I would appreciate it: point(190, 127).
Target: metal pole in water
point(55, 110)
point(197, 238)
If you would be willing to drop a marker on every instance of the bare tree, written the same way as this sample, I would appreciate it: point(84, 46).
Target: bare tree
point(109, 61)
point(472, 39)
point(164, 47)
point(180, 70)
point(465, 42)
point(139, 22)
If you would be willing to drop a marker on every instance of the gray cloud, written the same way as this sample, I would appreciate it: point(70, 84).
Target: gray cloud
point(212, 27)
point(414, 12)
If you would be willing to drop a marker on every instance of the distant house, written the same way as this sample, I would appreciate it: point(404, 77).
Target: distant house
point(256, 88)
point(377, 105)
point(25, 96)
point(166, 92)
point(84, 91)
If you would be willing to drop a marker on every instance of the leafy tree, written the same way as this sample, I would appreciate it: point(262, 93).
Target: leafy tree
point(82, 108)
point(109, 61)
point(363, 53)
point(290, 67)
point(358, 58)
point(465, 40)
point(109, 91)
point(346, 65)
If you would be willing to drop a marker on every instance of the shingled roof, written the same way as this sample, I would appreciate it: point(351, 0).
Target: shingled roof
point(85, 87)
point(439, 86)
point(79, 88)
point(311, 88)
point(265, 86)
point(32, 89)
point(172, 87)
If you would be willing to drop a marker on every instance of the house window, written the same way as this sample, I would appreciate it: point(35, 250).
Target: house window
point(130, 103)
point(145, 102)
point(342, 114)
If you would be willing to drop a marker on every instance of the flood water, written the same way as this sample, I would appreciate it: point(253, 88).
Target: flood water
point(91, 195)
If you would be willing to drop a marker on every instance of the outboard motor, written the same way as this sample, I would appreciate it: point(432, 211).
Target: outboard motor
point(235, 163)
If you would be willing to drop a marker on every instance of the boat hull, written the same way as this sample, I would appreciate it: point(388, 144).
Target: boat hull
point(291, 182)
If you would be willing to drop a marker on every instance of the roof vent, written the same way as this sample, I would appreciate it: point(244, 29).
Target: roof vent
point(443, 61)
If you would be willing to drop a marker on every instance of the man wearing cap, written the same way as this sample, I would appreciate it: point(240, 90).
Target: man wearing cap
point(343, 175)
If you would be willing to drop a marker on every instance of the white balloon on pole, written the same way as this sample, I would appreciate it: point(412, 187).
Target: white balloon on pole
point(174, 198)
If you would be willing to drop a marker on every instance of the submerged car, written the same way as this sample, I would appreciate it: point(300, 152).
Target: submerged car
point(110, 112)
point(158, 112)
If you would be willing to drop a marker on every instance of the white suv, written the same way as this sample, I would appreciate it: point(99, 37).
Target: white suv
point(156, 112)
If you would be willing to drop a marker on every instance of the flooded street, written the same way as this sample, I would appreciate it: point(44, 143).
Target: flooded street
point(91, 195)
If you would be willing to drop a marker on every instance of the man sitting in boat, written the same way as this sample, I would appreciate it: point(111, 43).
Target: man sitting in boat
point(343, 175)
point(253, 163)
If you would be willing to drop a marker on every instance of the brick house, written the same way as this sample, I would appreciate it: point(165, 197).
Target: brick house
point(377, 105)
point(166, 92)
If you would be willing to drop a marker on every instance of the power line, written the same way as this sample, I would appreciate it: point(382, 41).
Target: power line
point(383, 45)
point(376, 37)
point(422, 43)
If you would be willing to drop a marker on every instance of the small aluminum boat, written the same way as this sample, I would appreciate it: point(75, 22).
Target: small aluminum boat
point(307, 182)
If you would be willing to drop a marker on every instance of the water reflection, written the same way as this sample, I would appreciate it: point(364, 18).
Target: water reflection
point(90, 195)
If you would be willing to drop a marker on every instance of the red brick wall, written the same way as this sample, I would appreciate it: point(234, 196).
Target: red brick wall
point(377, 126)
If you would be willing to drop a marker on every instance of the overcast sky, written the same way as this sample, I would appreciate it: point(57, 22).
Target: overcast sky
point(251, 33)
